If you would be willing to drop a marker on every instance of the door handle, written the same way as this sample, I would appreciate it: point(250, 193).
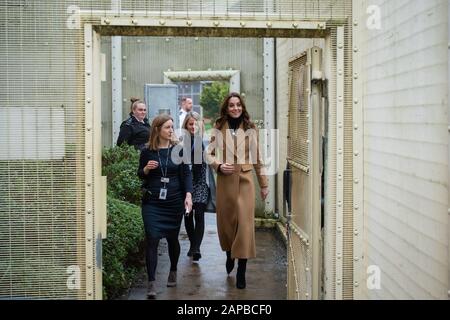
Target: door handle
point(287, 182)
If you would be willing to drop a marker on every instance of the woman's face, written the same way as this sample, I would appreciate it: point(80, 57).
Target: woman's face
point(234, 107)
point(192, 126)
point(166, 131)
point(140, 111)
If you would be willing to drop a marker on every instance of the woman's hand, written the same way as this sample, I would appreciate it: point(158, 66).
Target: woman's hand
point(152, 164)
point(264, 192)
point(188, 202)
point(227, 169)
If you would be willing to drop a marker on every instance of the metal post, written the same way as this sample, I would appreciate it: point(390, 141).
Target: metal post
point(339, 160)
point(99, 181)
point(269, 114)
point(330, 179)
point(88, 159)
point(448, 160)
point(315, 54)
point(358, 160)
point(116, 65)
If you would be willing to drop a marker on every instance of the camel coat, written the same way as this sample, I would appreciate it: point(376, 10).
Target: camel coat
point(235, 194)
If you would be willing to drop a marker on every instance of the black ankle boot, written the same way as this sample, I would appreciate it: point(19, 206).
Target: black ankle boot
point(196, 255)
point(240, 275)
point(230, 263)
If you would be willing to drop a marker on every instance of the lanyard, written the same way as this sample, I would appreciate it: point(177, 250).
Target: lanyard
point(164, 173)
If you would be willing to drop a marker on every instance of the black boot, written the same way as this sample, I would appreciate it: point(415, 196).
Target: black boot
point(230, 263)
point(240, 275)
point(196, 255)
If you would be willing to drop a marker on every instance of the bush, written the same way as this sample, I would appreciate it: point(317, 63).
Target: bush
point(120, 165)
point(123, 249)
point(212, 97)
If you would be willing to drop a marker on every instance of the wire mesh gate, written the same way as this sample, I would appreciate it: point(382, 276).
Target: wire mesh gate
point(50, 221)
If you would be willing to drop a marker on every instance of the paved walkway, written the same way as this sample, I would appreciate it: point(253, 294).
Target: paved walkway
point(208, 280)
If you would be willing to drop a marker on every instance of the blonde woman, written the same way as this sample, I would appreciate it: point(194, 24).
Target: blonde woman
point(167, 196)
point(194, 222)
point(135, 130)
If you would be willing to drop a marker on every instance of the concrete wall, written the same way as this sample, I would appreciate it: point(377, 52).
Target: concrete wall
point(406, 229)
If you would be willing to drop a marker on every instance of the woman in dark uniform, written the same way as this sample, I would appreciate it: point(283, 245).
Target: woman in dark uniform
point(135, 130)
point(167, 196)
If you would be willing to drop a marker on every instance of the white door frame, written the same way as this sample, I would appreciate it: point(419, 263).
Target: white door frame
point(95, 183)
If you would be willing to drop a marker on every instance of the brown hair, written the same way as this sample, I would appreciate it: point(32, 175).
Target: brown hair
point(157, 123)
point(196, 117)
point(134, 103)
point(220, 122)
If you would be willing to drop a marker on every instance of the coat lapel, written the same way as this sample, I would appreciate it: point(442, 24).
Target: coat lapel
point(232, 143)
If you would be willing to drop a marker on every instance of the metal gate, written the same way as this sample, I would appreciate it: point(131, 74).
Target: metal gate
point(51, 210)
point(304, 158)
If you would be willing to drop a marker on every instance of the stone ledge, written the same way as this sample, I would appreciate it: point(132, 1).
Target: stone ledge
point(279, 226)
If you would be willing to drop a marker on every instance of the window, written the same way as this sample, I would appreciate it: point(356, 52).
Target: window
point(193, 90)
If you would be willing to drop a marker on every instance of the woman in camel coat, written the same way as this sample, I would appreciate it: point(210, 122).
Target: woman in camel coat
point(235, 138)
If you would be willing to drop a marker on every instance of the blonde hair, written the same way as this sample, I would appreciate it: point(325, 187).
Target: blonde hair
point(197, 118)
point(157, 123)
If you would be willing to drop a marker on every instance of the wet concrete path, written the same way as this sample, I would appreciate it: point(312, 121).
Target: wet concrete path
point(208, 280)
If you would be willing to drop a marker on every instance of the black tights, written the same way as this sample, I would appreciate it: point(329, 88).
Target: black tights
point(151, 257)
point(195, 233)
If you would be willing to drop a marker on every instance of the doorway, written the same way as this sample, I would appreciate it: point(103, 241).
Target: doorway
point(325, 245)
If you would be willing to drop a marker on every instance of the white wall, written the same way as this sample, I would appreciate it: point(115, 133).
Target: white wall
point(406, 149)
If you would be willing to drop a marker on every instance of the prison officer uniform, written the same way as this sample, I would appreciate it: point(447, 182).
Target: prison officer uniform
point(134, 132)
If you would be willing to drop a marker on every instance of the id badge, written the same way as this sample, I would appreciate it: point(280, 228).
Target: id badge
point(162, 194)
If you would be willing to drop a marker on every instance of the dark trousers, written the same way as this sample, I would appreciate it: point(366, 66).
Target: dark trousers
point(151, 256)
point(195, 231)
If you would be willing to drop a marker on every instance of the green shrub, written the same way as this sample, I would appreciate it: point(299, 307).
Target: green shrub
point(123, 249)
point(120, 165)
point(212, 97)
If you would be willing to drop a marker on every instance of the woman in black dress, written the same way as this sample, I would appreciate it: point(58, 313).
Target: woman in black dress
point(167, 196)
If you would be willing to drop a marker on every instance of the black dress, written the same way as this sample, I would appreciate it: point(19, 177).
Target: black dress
point(162, 218)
